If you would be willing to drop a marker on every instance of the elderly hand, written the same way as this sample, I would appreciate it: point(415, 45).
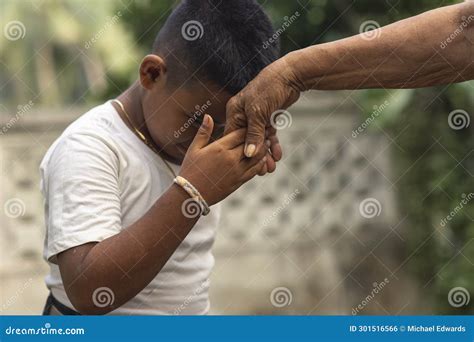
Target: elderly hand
point(274, 88)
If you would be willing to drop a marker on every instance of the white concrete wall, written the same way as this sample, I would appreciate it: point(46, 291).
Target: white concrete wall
point(297, 232)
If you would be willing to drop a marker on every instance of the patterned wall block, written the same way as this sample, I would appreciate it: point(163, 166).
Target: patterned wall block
point(300, 227)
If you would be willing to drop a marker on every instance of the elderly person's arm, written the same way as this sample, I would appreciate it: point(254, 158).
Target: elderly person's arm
point(436, 47)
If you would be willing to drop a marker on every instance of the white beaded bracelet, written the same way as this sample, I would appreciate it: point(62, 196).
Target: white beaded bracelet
point(193, 193)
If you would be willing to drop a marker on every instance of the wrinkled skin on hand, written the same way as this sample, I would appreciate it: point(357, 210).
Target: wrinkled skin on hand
point(396, 60)
point(274, 88)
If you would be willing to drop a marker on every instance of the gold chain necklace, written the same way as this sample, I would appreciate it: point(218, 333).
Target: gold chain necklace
point(143, 138)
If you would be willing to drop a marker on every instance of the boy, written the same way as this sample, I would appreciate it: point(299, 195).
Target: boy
point(125, 185)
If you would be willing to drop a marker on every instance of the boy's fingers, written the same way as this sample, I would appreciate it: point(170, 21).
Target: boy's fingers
point(253, 171)
point(248, 163)
point(203, 134)
point(233, 139)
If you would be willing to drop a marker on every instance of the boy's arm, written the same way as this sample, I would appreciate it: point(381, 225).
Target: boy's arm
point(127, 262)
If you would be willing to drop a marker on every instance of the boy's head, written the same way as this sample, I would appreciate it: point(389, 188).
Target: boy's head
point(205, 53)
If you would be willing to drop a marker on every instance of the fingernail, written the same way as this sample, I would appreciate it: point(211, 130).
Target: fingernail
point(250, 150)
point(268, 143)
point(205, 121)
point(264, 159)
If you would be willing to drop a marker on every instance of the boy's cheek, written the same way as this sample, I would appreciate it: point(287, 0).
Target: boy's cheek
point(184, 138)
point(184, 132)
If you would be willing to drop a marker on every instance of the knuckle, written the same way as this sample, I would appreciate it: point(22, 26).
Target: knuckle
point(254, 133)
point(240, 119)
point(232, 104)
point(256, 109)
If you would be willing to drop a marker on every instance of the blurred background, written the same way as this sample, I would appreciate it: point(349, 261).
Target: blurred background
point(371, 211)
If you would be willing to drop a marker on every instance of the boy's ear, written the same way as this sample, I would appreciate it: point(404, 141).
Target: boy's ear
point(152, 71)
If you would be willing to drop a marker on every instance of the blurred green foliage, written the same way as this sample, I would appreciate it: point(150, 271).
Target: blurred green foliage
point(55, 62)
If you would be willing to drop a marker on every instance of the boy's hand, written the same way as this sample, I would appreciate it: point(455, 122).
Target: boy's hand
point(219, 168)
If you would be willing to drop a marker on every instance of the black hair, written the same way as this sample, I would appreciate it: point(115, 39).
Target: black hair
point(227, 42)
